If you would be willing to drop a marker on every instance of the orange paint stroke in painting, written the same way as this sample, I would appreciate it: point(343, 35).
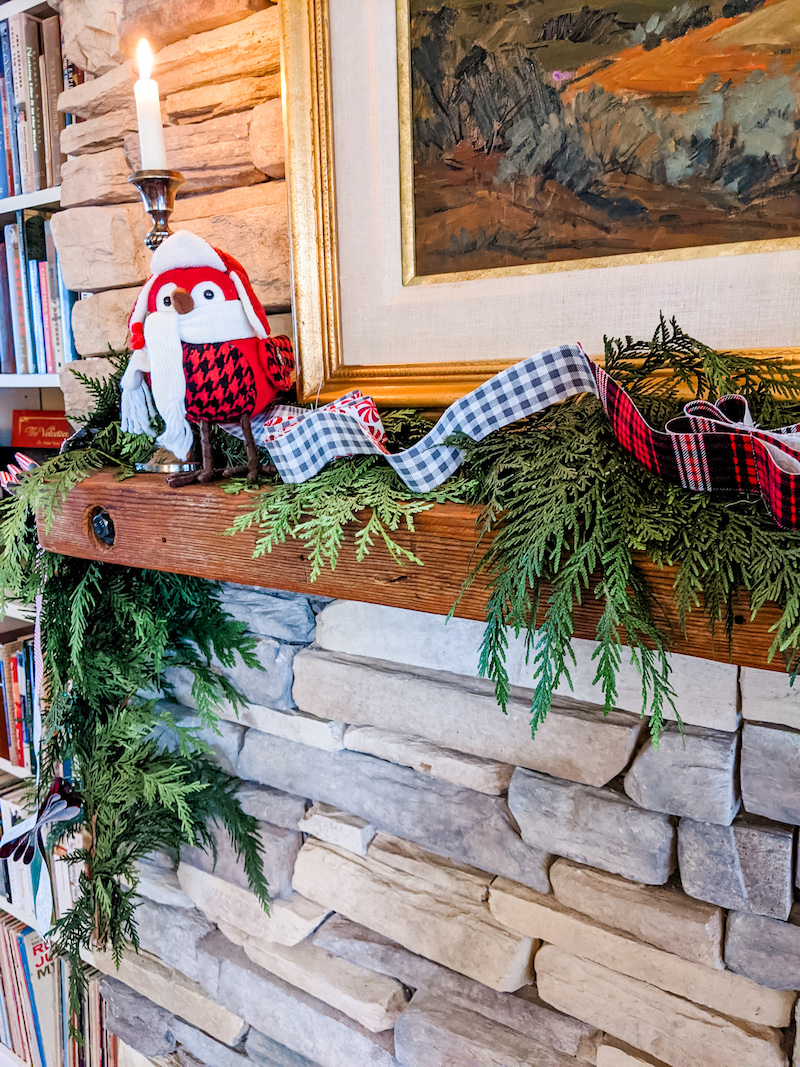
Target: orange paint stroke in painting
point(767, 39)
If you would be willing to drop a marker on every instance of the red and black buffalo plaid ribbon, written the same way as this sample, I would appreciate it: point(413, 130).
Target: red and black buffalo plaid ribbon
point(711, 447)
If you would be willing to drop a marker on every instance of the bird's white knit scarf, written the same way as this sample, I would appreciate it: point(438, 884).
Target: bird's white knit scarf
point(164, 332)
point(163, 342)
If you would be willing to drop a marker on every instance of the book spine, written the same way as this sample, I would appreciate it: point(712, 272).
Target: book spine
point(54, 298)
point(9, 986)
point(35, 297)
point(36, 114)
point(8, 709)
point(4, 170)
point(54, 79)
point(30, 343)
point(22, 993)
point(4, 723)
point(67, 302)
point(16, 29)
point(27, 663)
point(6, 1034)
point(9, 108)
point(34, 1012)
point(16, 703)
point(6, 335)
point(8, 159)
point(21, 710)
point(48, 152)
point(44, 289)
point(11, 233)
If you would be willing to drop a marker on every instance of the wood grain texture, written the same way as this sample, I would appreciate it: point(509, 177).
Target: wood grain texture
point(180, 530)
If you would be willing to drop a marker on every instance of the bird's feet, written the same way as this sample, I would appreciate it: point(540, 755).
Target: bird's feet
point(251, 472)
point(202, 477)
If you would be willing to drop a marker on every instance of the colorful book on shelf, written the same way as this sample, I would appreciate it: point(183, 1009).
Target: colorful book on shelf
point(34, 249)
point(10, 109)
point(11, 992)
point(37, 316)
point(33, 49)
point(5, 119)
point(16, 705)
point(44, 291)
point(11, 638)
point(11, 931)
point(66, 302)
point(6, 179)
point(42, 981)
point(7, 363)
point(11, 696)
point(54, 80)
point(54, 297)
point(25, 285)
point(39, 429)
point(17, 299)
point(22, 105)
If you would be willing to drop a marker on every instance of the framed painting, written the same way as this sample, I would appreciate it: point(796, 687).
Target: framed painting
point(472, 181)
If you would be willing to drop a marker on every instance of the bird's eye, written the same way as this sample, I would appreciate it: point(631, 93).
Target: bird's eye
point(164, 296)
point(207, 291)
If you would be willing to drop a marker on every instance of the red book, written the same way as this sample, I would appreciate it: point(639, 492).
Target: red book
point(16, 704)
point(44, 290)
point(39, 429)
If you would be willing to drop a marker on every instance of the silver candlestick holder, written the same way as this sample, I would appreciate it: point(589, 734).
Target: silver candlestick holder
point(157, 189)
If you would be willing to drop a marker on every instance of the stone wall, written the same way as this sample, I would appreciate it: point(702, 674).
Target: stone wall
point(218, 68)
point(448, 892)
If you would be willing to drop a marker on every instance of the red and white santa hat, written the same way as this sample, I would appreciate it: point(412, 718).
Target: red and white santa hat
point(176, 260)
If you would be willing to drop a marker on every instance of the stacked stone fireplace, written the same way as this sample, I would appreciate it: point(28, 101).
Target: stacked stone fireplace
point(448, 892)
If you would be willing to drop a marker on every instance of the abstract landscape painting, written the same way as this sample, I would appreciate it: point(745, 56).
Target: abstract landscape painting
point(548, 131)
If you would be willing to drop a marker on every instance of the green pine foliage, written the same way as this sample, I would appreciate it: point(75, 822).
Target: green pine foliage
point(110, 635)
point(565, 513)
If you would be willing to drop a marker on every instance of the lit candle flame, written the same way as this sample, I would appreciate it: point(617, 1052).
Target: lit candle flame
point(144, 59)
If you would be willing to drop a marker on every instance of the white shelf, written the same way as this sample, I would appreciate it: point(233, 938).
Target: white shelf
point(41, 198)
point(18, 913)
point(16, 772)
point(10, 1059)
point(13, 7)
point(29, 381)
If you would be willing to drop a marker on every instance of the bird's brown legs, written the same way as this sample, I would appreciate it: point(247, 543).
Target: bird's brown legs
point(207, 472)
point(253, 461)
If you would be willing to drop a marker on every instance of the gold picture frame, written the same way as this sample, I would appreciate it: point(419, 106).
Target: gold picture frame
point(323, 373)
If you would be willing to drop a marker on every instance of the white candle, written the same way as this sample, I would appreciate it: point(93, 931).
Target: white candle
point(148, 113)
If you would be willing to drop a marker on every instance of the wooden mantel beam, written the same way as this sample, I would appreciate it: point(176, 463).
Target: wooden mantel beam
point(180, 530)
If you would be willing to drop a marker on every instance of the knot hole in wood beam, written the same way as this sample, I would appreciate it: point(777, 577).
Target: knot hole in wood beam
point(100, 527)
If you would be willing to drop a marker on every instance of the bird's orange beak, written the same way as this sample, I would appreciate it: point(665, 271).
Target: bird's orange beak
point(182, 301)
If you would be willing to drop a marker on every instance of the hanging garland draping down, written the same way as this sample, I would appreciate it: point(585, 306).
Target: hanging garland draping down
point(563, 503)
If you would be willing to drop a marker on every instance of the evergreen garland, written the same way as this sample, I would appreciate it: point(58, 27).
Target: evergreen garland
point(564, 510)
point(145, 783)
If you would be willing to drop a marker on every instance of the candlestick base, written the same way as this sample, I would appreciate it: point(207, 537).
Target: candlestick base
point(157, 189)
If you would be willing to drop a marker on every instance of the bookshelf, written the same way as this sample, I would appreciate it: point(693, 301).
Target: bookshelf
point(32, 384)
point(29, 381)
point(40, 198)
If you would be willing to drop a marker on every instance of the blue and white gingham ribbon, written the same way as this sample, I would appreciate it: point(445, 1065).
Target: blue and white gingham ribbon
point(325, 434)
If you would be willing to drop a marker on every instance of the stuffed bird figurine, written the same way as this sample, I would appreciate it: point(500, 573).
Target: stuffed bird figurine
point(199, 331)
